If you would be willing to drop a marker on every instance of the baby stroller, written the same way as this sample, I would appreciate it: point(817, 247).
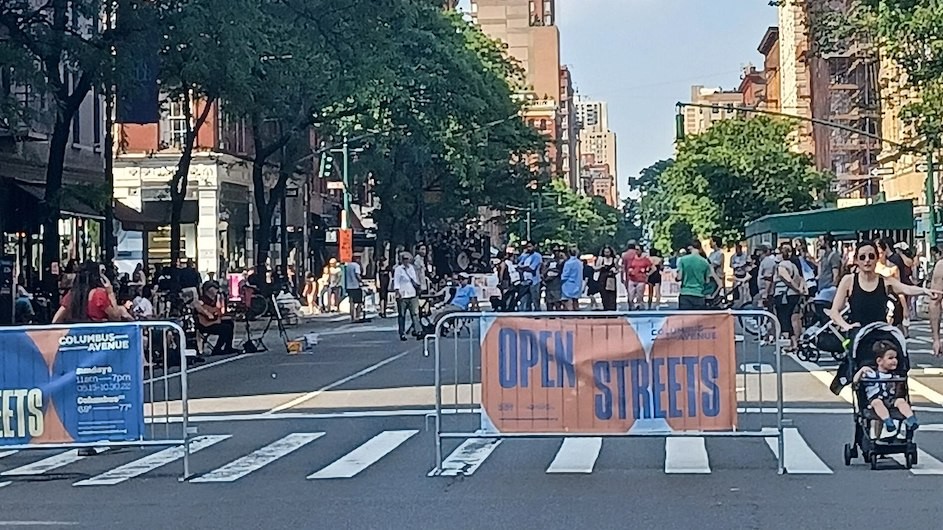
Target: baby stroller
point(861, 355)
point(822, 335)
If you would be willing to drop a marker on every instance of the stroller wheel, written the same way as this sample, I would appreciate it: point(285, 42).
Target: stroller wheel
point(840, 356)
point(814, 355)
point(911, 459)
point(866, 456)
point(848, 456)
point(803, 353)
point(874, 462)
point(854, 451)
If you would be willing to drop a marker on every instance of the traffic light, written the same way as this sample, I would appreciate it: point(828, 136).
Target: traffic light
point(679, 126)
point(327, 165)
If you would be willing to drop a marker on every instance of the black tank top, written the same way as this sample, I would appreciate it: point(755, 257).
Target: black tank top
point(867, 307)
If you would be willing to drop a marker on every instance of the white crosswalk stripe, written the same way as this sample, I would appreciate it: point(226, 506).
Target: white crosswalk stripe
point(686, 455)
point(467, 457)
point(799, 458)
point(258, 459)
point(151, 462)
point(49, 464)
point(364, 456)
point(576, 455)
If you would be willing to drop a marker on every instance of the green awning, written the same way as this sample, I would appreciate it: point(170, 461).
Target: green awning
point(892, 215)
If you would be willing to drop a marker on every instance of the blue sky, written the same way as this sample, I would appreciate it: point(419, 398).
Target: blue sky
point(642, 56)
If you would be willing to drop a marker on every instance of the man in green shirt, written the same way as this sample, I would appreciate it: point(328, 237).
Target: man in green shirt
point(695, 273)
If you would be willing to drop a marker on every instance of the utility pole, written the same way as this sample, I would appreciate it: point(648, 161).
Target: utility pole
point(931, 198)
point(345, 168)
point(109, 227)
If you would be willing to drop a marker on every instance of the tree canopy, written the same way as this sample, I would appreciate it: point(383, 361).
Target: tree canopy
point(737, 171)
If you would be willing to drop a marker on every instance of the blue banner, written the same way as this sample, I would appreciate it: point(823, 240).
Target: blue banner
point(77, 385)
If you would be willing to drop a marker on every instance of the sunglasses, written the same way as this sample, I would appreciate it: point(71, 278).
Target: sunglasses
point(867, 257)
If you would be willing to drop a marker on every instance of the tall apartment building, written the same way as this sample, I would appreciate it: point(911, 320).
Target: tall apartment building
point(569, 131)
point(527, 28)
point(598, 147)
point(838, 87)
point(699, 119)
point(903, 173)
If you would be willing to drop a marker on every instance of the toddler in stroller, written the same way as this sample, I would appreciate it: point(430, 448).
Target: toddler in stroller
point(881, 399)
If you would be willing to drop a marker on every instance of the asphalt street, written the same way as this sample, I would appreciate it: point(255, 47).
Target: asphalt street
point(343, 438)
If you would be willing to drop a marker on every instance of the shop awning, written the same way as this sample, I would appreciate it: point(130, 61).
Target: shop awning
point(891, 215)
point(133, 220)
point(69, 205)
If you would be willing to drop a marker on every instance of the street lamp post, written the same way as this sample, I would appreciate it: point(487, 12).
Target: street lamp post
point(929, 186)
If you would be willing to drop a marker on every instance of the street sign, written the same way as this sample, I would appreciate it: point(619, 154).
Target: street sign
point(330, 236)
point(291, 192)
point(345, 245)
point(335, 185)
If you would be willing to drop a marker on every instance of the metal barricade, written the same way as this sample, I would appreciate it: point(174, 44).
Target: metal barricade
point(608, 374)
point(94, 385)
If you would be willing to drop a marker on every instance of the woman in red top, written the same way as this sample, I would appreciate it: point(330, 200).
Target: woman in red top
point(91, 298)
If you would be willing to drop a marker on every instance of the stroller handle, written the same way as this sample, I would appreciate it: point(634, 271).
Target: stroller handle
point(888, 380)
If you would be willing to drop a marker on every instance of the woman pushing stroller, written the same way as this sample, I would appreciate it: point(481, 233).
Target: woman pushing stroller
point(866, 292)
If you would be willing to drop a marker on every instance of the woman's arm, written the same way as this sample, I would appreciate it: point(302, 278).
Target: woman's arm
point(838, 304)
point(910, 290)
point(59, 317)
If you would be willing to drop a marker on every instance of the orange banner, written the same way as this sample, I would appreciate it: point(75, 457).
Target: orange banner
point(608, 375)
point(345, 245)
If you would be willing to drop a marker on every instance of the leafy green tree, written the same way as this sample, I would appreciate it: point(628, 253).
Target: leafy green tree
point(455, 142)
point(210, 49)
point(60, 50)
point(562, 216)
point(735, 172)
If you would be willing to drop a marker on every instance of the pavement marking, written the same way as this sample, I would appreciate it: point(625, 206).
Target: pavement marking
point(198, 368)
point(468, 457)
point(7, 453)
point(5, 484)
point(824, 376)
point(686, 455)
point(364, 456)
point(799, 458)
point(576, 455)
point(925, 391)
point(260, 458)
point(150, 462)
point(311, 395)
point(48, 464)
point(926, 464)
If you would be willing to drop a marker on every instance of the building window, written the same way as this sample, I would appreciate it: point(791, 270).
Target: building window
point(177, 124)
point(543, 125)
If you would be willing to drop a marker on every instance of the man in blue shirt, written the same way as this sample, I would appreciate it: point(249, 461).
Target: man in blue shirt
point(572, 279)
point(529, 264)
point(465, 298)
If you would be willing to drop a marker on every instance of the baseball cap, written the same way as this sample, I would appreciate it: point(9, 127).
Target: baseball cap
point(902, 246)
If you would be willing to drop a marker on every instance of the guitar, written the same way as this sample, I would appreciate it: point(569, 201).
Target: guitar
point(206, 321)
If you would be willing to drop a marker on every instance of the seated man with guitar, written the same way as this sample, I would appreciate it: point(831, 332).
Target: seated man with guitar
point(212, 321)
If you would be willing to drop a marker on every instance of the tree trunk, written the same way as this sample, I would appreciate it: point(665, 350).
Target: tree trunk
point(55, 165)
point(263, 236)
point(180, 180)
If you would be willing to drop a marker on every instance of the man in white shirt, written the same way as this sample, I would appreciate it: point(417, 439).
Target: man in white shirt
point(406, 286)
